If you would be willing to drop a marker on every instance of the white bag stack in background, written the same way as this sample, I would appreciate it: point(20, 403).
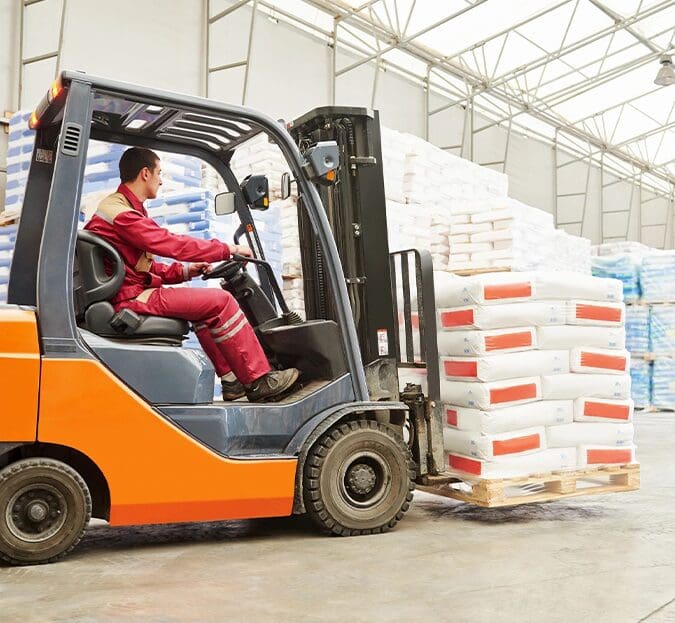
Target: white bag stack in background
point(522, 353)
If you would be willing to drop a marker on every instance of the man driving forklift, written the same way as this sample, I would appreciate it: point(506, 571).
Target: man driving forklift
point(219, 323)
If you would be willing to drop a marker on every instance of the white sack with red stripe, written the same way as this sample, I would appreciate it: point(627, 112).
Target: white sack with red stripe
point(510, 466)
point(573, 386)
point(597, 456)
point(491, 395)
point(490, 288)
point(509, 315)
point(493, 341)
point(540, 413)
point(571, 285)
point(580, 433)
point(595, 313)
point(599, 360)
point(574, 336)
point(488, 447)
point(505, 366)
point(602, 410)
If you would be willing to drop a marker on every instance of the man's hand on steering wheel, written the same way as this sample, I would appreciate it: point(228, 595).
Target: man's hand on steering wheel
point(198, 268)
point(238, 249)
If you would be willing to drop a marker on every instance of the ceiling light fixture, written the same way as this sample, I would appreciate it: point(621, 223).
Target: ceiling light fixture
point(666, 75)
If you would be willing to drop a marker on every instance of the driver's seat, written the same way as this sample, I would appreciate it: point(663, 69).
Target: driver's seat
point(94, 287)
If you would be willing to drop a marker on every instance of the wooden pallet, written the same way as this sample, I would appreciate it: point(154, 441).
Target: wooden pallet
point(537, 488)
point(469, 272)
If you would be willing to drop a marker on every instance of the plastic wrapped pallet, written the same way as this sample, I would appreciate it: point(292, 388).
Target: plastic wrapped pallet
point(657, 277)
point(641, 381)
point(488, 447)
point(663, 383)
point(590, 433)
point(662, 329)
point(540, 413)
point(602, 410)
point(505, 366)
point(556, 459)
point(638, 328)
point(623, 266)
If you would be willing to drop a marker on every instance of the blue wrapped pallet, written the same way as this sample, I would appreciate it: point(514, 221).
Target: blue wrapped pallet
point(640, 379)
point(662, 329)
point(657, 277)
point(637, 328)
point(623, 266)
point(663, 383)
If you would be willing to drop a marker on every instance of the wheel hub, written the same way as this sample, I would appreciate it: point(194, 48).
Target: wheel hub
point(36, 513)
point(361, 478)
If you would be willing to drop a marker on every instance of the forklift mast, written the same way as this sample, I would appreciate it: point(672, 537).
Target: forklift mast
point(381, 286)
point(356, 210)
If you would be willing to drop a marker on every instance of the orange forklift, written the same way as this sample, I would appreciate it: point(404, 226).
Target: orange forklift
point(106, 415)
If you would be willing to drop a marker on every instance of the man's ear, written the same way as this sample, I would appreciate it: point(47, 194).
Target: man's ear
point(145, 173)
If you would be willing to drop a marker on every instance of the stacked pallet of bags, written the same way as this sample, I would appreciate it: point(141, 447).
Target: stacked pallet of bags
point(534, 373)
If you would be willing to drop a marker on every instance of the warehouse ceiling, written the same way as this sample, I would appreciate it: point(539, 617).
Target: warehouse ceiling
point(580, 72)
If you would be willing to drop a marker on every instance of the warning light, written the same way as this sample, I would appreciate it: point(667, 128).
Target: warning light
point(55, 89)
point(330, 176)
point(266, 201)
point(33, 121)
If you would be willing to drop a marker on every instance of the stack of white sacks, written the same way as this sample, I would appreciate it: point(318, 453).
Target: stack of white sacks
point(534, 373)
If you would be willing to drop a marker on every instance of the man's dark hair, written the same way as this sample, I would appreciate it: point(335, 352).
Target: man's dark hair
point(135, 159)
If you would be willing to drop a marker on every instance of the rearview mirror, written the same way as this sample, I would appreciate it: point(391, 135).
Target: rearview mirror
point(224, 204)
point(285, 185)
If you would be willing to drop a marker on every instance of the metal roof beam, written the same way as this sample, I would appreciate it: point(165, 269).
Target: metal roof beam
point(629, 21)
point(618, 18)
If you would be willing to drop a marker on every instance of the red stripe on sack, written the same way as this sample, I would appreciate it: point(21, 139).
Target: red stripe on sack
point(516, 444)
point(603, 409)
point(515, 392)
point(507, 291)
point(606, 362)
point(458, 318)
point(452, 416)
point(508, 340)
point(461, 368)
point(598, 312)
point(465, 464)
point(608, 456)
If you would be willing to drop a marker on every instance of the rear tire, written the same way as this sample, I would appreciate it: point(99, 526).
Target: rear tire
point(358, 479)
point(45, 507)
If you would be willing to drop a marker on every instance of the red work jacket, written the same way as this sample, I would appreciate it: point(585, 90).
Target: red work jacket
point(122, 221)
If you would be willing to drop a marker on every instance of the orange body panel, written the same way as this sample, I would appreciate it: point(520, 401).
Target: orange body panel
point(156, 473)
point(19, 374)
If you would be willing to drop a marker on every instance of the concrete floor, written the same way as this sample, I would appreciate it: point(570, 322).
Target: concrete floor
point(601, 559)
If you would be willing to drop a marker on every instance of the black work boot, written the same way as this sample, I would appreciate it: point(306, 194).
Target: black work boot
point(232, 390)
point(271, 385)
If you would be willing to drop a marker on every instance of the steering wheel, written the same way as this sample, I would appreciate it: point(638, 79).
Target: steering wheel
point(227, 269)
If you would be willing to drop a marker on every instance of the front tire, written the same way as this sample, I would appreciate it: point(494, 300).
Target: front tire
point(358, 479)
point(45, 507)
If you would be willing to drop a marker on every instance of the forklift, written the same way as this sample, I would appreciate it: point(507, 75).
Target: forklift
point(105, 415)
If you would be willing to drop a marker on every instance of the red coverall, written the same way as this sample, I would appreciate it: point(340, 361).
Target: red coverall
point(220, 324)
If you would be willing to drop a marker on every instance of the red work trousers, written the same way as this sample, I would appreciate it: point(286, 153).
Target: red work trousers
point(221, 327)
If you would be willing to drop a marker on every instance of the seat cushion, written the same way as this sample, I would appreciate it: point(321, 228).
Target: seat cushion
point(99, 315)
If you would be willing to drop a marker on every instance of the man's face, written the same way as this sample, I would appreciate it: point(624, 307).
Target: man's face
point(153, 180)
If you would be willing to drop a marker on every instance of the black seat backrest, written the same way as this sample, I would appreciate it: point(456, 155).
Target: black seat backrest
point(93, 283)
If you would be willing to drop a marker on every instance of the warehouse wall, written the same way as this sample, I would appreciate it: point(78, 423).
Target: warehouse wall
point(288, 74)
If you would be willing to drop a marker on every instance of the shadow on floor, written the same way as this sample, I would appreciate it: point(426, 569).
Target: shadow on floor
point(444, 508)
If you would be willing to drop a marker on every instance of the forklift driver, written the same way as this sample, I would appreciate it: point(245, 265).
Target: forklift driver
point(221, 326)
